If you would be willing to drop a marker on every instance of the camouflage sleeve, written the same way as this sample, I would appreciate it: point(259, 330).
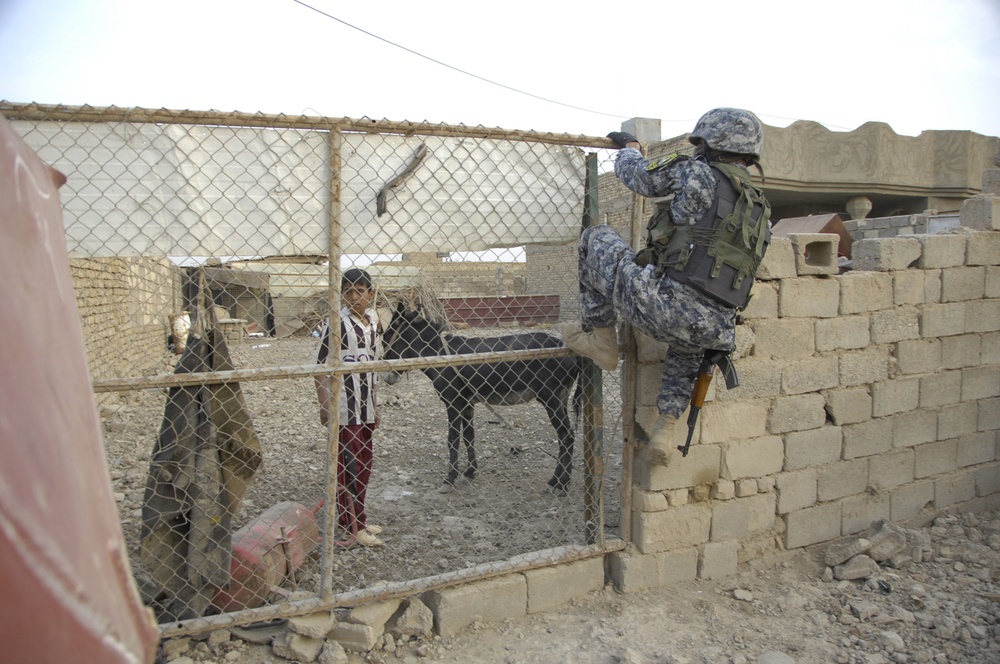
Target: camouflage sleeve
point(689, 180)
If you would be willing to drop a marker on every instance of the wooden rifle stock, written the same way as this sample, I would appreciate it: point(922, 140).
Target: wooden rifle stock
point(700, 389)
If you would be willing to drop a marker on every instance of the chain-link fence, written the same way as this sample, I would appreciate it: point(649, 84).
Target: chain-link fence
point(207, 252)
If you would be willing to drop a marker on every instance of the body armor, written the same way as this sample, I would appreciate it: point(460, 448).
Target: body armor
point(719, 254)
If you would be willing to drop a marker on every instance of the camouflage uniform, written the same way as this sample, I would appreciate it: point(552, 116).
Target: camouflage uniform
point(610, 280)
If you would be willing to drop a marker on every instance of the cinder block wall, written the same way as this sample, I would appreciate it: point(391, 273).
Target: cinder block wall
point(125, 306)
point(872, 394)
point(470, 278)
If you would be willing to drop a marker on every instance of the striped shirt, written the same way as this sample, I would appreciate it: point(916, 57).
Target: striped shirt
point(360, 340)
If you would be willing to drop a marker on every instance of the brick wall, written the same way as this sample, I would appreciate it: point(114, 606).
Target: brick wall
point(867, 395)
point(125, 306)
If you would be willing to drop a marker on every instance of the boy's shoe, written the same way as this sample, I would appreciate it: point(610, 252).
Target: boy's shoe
point(600, 344)
point(373, 529)
point(365, 538)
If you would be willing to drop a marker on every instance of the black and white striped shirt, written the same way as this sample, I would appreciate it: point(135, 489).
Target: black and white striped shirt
point(360, 340)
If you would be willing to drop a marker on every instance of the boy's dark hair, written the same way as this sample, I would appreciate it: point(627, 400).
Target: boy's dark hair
point(356, 276)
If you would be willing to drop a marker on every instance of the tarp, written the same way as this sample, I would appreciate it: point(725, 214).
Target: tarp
point(65, 584)
point(140, 189)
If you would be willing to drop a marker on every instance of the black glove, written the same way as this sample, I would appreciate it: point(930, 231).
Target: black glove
point(620, 138)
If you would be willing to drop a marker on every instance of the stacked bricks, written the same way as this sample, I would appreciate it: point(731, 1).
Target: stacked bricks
point(864, 395)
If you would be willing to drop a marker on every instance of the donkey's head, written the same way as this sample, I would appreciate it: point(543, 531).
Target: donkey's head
point(411, 335)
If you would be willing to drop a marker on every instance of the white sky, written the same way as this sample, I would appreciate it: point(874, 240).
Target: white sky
point(914, 64)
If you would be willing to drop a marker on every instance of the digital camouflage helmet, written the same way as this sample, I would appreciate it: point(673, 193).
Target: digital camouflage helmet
point(730, 130)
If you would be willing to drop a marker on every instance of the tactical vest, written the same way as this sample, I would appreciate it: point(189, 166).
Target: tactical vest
point(720, 253)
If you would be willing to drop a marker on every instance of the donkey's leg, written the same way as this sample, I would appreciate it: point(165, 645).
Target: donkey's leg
point(454, 434)
point(555, 407)
point(469, 431)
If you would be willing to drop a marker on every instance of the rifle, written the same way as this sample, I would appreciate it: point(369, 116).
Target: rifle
point(712, 359)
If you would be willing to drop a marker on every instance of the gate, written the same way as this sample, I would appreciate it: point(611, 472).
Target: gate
point(207, 251)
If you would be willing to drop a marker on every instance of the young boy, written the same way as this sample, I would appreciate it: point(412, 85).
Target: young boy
point(360, 340)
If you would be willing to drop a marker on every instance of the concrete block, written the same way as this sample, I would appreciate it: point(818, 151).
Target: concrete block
point(296, 647)
point(551, 587)
point(962, 283)
point(779, 261)
point(815, 253)
point(797, 413)
point(957, 420)
point(992, 289)
point(980, 383)
point(374, 614)
point(988, 415)
point(869, 365)
point(914, 428)
point(746, 487)
point(839, 480)
point(728, 420)
point(991, 181)
point(990, 353)
point(811, 375)
point(890, 470)
point(676, 528)
point(862, 292)
point(857, 513)
point(983, 249)
point(954, 489)
point(804, 449)
point(897, 324)
point(942, 320)
point(649, 377)
point(940, 389)
point(356, 638)
point(760, 378)
point(910, 500)
point(492, 600)
point(761, 512)
point(981, 212)
point(849, 406)
point(729, 520)
point(918, 356)
point(700, 466)
point(718, 560)
point(935, 458)
point(988, 480)
point(812, 525)
point(723, 490)
point(885, 254)
point(648, 501)
point(982, 316)
point(763, 301)
point(808, 297)
point(755, 457)
point(867, 438)
point(677, 497)
point(908, 287)
point(895, 396)
point(941, 250)
point(679, 566)
point(784, 338)
point(632, 572)
point(976, 448)
point(961, 351)
point(843, 333)
point(932, 286)
point(796, 490)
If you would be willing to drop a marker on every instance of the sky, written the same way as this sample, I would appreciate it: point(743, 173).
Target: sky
point(580, 67)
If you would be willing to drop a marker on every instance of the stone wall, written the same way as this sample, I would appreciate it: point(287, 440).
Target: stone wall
point(459, 279)
point(864, 395)
point(125, 306)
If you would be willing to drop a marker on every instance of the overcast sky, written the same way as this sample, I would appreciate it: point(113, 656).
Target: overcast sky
point(578, 67)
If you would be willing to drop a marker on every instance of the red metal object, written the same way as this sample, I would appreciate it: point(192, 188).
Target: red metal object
point(66, 588)
point(266, 552)
point(494, 311)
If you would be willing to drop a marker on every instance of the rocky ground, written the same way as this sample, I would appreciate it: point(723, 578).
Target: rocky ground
point(788, 608)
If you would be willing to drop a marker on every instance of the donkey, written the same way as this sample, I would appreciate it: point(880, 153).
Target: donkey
point(547, 380)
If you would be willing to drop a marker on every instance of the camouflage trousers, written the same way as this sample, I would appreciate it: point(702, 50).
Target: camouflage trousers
point(612, 285)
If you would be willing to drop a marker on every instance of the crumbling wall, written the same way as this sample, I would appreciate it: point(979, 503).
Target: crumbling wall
point(868, 395)
point(125, 306)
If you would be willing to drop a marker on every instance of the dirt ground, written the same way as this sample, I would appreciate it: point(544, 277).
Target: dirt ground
point(944, 609)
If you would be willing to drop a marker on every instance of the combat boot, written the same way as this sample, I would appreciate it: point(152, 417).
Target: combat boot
point(600, 344)
point(661, 440)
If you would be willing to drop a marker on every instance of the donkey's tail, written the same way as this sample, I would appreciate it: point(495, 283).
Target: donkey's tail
point(578, 393)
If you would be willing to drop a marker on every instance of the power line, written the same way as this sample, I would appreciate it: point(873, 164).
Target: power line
point(453, 68)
